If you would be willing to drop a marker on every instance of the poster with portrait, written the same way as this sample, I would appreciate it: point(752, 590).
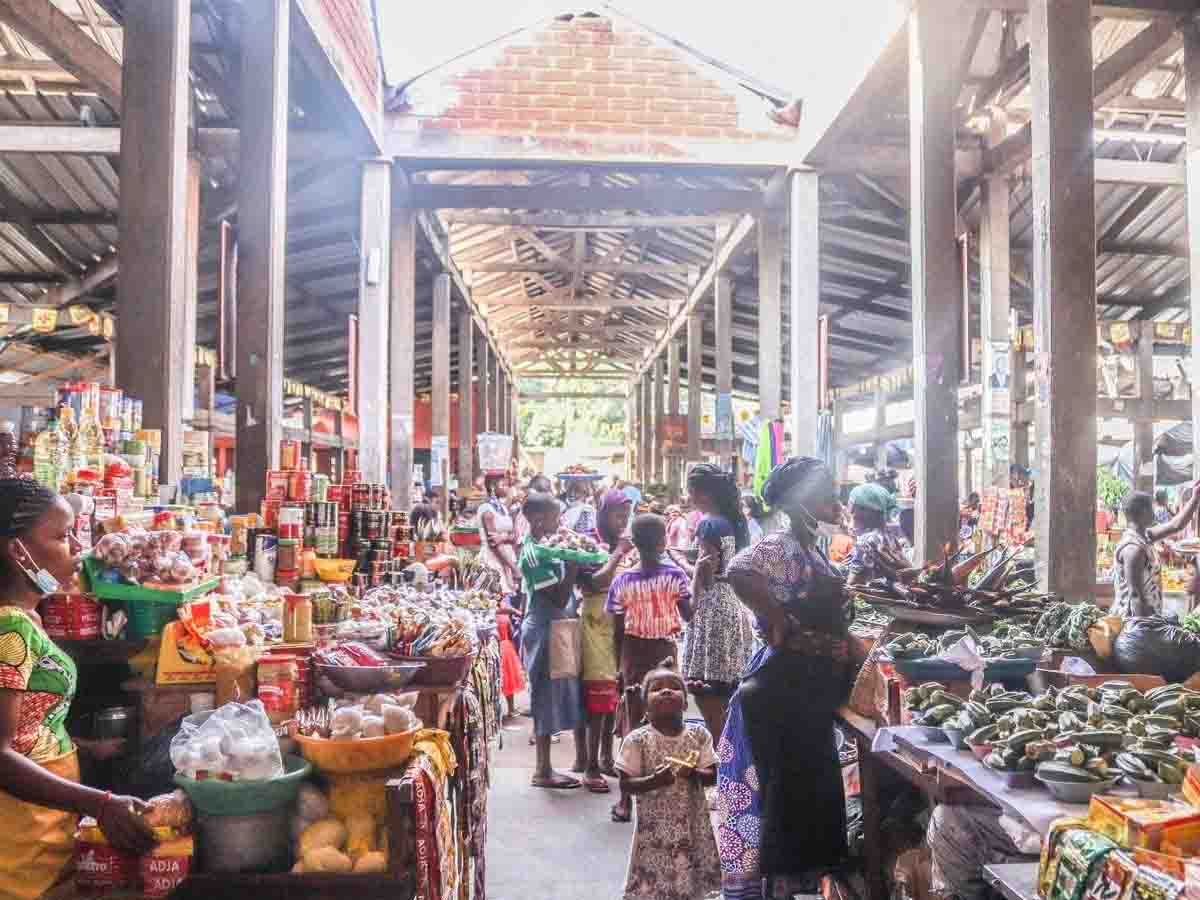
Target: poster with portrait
point(999, 369)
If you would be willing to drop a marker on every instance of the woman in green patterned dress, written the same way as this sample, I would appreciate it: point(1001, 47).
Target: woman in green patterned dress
point(40, 793)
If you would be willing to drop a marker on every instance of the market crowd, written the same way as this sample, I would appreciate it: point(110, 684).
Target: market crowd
point(730, 603)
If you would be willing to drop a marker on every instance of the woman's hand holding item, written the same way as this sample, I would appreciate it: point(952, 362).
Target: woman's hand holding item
point(120, 818)
point(664, 776)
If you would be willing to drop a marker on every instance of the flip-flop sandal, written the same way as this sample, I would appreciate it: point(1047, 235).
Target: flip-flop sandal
point(596, 784)
point(557, 782)
point(618, 816)
point(609, 769)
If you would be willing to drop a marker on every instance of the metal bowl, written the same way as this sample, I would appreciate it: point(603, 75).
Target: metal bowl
point(1076, 791)
point(370, 679)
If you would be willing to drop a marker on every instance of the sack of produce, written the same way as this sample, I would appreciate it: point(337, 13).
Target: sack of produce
point(1152, 645)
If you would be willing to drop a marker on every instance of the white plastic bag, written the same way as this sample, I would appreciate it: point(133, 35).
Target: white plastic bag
point(965, 653)
point(235, 741)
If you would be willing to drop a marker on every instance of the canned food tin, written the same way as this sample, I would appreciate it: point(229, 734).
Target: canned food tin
point(376, 529)
point(299, 484)
point(289, 454)
point(384, 547)
point(270, 513)
point(277, 484)
point(334, 494)
point(360, 496)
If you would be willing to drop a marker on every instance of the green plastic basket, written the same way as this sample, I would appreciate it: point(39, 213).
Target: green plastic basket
point(150, 610)
point(215, 797)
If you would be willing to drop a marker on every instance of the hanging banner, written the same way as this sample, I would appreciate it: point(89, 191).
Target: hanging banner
point(724, 429)
point(44, 320)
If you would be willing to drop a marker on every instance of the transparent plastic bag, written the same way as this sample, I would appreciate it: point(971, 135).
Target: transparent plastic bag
point(234, 741)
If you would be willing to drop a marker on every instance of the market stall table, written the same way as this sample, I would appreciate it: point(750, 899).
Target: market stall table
point(1014, 881)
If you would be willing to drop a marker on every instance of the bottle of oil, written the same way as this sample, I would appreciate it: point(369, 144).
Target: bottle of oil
point(91, 436)
point(76, 455)
point(49, 454)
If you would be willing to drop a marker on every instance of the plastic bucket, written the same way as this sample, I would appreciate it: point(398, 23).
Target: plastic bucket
point(215, 797)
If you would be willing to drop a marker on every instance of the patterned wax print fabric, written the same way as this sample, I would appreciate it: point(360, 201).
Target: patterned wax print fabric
point(31, 663)
point(865, 557)
point(674, 855)
point(650, 601)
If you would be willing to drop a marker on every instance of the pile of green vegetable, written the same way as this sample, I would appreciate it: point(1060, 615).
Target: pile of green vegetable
point(1003, 643)
point(1075, 734)
point(1066, 625)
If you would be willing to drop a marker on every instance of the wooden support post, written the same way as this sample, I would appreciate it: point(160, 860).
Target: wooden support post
point(1064, 295)
point(674, 456)
point(695, 360)
point(514, 413)
point(151, 292)
point(839, 453)
point(440, 427)
point(657, 458)
point(999, 390)
point(1191, 68)
point(630, 432)
point(375, 215)
point(723, 318)
point(494, 395)
point(770, 315)
point(262, 232)
point(1020, 378)
point(501, 403)
point(968, 472)
point(191, 271)
point(466, 418)
point(805, 300)
point(936, 291)
point(402, 323)
point(481, 389)
point(881, 447)
point(1143, 421)
point(206, 400)
point(646, 472)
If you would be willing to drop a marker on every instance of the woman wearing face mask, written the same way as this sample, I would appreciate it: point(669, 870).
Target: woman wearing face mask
point(778, 766)
point(720, 636)
point(40, 794)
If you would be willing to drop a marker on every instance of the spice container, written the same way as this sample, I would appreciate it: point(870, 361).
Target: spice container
point(299, 485)
point(289, 455)
point(287, 554)
point(278, 680)
point(297, 619)
point(72, 617)
point(291, 521)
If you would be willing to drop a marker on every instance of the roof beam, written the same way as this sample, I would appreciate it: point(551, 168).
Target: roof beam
point(566, 267)
point(1135, 57)
point(726, 250)
point(596, 303)
point(44, 24)
point(1109, 9)
point(550, 221)
point(584, 199)
point(49, 138)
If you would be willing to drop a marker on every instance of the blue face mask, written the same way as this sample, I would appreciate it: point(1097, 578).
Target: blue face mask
point(42, 580)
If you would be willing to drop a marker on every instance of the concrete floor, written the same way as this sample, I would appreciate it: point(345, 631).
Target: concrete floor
point(547, 844)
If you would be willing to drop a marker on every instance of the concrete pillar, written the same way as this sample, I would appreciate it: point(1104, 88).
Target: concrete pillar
point(770, 314)
point(1064, 292)
point(402, 322)
point(1143, 418)
point(936, 290)
point(1191, 67)
point(723, 317)
point(805, 286)
point(440, 427)
point(675, 457)
point(466, 411)
point(151, 349)
point(262, 234)
point(695, 385)
point(372, 358)
point(1000, 393)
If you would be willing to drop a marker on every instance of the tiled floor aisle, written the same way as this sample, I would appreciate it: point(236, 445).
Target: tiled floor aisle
point(549, 845)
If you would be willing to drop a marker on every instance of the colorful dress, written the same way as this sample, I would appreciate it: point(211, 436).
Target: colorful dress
point(782, 812)
point(502, 532)
point(720, 638)
point(554, 702)
point(38, 842)
point(31, 663)
point(674, 856)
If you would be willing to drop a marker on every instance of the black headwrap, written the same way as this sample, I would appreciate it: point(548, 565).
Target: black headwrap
point(22, 502)
point(787, 475)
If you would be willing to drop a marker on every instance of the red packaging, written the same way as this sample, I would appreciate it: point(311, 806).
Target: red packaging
point(333, 494)
point(277, 484)
point(101, 868)
point(72, 617)
point(299, 485)
point(162, 874)
point(270, 514)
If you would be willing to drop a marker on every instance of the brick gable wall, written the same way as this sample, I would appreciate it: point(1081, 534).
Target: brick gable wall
point(350, 23)
point(591, 85)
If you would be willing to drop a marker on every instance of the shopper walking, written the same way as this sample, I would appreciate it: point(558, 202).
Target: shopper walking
point(600, 691)
point(781, 807)
point(720, 637)
point(497, 549)
point(554, 696)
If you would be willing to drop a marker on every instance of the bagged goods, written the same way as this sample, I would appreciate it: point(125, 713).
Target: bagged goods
point(1152, 645)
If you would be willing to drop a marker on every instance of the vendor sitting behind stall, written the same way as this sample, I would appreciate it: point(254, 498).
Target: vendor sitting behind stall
point(1137, 584)
point(40, 794)
point(877, 552)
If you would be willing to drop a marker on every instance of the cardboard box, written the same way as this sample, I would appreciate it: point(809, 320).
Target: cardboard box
point(1138, 823)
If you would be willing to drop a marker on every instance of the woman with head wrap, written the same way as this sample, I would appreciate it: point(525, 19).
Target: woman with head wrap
point(40, 794)
point(720, 636)
point(782, 813)
point(877, 552)
point(600, 692)
point(497, 550)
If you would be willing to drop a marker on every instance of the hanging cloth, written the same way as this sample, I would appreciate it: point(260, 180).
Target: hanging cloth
point(778, 452)
point(763, 459)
